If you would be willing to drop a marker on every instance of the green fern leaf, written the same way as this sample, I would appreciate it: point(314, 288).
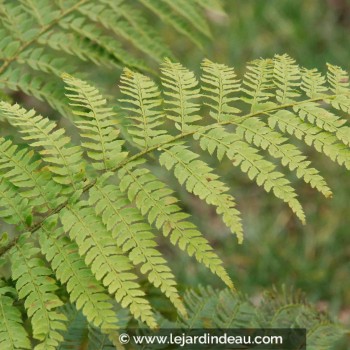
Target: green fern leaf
point(12, 333)
point(65, 161)
point(252, 163)
point(144, 107)
point(180, 90)
point(23, 171)
point(258, 84)
point(256, 132)
point(83, 289)
point(219, 83)
point(323, 141)
point(199, 179)
point(286, 78)
point(97, 126)
point(37, 287)
point(153, 198)
point(134, 236)
point(107, 261)
point(13, 208)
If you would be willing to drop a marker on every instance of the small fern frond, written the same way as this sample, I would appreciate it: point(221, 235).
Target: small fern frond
point(134, 236)
point(286, 78)
point(35, 285)
point(143, 106)
point(97, 124)
point(83, 289)
point(64, 160)
point(13, 335)
point(107, 261)
point(219, 84)
point(22, 170)
point(199, 179)
point(180, 90)
point(258, 83)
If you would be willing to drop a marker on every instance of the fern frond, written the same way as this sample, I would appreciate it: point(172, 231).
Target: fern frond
point(13, 208)
point(83, 289)
point(16, 78)
point(313, 83)
point(252, 163)
point(219, 83)
point(286, 78)
point(107, 261)
point(97, 126)
point(144, 108)
point(35, 285)
point(199, 179)
point(258, 84)
point(65, 161)
point(23, 171)
point(323, 141)
point(180, 90)
point(12, 332)
point(153, 198)
point(134, 236)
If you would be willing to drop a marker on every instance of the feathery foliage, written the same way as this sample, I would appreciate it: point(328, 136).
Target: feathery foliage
point(96, 208)
point(101, 32)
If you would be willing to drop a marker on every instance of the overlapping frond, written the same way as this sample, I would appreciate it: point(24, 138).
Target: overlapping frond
point(12, 332)
point(35, 284)
point(199, 179)
point(97, 125)
point(70, 269)
point(64, 160)
point(133, 235)
point(34, 32)
point(24, 171)
point(154, 199)
point(107, 261)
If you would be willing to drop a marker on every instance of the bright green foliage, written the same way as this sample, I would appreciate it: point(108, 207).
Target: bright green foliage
point(64, 160)
point(97, 207)
point(134, 236)
point(12, 333)
point(107, 261)
point(199, 179)
point(97, 126)
point(35, 285)
point(39, 37)
point(143, 107)
point(22, 169)
point(181, 90)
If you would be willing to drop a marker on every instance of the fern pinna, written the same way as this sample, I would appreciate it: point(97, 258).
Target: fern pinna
point(88, 214)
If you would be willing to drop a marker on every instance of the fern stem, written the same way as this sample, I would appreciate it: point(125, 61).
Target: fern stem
point(235, 120)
